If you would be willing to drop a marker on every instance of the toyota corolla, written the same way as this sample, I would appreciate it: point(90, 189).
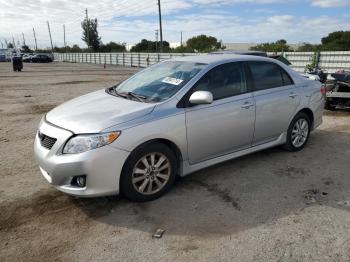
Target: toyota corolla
point(172, 119)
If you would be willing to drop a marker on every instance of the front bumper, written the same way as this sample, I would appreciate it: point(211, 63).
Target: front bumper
point(102, 166)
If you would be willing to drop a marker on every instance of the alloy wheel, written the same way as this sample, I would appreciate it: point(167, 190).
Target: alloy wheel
point(151, 173)
point(300, 132)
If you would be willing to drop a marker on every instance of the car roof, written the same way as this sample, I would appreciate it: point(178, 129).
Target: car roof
point(217, 58)
point(257, 53)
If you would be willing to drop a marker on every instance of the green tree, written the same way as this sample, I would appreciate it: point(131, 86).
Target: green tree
point(182, 49)
point(307, 47)
point(336, 41)
point(278, 46)
point(203, 43)
point(90, 33)
point(26, 49)
point(112, 47)
point(150, 46)
point(75, 49)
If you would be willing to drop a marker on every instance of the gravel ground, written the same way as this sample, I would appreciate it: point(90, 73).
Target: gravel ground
point(268, 206)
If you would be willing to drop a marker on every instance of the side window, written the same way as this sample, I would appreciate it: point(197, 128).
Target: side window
point(265, 75)
point(286, 78)
point(223, 81)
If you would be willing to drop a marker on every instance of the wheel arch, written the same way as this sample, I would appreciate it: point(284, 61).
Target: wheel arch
point(309, 113)
point(170, 144)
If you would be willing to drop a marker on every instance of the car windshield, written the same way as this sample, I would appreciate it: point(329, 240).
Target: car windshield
point(159, 82)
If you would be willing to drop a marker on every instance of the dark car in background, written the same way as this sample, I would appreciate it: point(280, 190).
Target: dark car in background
point(41, 58)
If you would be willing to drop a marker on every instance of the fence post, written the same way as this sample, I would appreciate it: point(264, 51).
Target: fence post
point(131, 59)
point(139, 60)
point(110, 59)
point(99, 57)
point(123, 59)
point(158, 57)
point(317, 59)
point(147, 60)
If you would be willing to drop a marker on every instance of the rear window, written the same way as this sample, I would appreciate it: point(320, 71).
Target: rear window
point(268, 75)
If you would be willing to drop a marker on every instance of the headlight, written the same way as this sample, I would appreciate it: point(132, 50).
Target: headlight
point(82, 143)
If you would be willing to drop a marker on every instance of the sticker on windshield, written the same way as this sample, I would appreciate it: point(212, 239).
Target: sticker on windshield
point(172, 81)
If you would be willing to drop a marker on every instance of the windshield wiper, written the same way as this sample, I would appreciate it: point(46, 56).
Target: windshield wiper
point(137, 97)
point(128, 95)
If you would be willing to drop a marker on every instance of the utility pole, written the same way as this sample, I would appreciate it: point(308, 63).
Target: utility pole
point(156, 33)
point(48, 26)
point(36, 46)
point(24, 41)
point(160, 27)
point(181, 39)
point(87, 28)
point(64, 38)
point(13, 42)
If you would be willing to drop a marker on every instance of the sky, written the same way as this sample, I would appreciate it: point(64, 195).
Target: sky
point(129, 21)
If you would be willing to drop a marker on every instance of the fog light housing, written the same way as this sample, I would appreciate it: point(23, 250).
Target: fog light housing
point(79, 181)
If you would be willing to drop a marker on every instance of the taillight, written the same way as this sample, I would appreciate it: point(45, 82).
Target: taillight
point(323, 90)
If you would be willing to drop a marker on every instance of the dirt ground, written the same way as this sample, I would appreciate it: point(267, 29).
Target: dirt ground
point(268, 206)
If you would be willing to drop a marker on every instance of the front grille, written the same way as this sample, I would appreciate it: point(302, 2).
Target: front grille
point(46, 141)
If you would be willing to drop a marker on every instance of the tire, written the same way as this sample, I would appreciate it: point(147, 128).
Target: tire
point(137, 179)
point(292, 141)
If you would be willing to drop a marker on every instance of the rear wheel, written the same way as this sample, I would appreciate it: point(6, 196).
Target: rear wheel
point(298, 132)
point(148, 173)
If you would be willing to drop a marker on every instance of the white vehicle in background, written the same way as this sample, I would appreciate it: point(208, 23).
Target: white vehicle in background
point(311, 77)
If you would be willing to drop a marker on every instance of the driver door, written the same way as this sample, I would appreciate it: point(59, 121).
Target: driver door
point(226, 125)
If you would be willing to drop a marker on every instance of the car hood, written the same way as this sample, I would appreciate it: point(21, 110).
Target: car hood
point(96, 111)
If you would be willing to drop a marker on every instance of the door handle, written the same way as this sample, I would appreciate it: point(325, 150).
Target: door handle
point(293, 95)
point(247, 105)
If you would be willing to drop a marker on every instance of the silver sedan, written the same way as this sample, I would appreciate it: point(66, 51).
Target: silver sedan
point(174, 118)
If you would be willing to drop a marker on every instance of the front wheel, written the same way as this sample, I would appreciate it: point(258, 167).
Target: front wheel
point(298, 132)
point(148, 173)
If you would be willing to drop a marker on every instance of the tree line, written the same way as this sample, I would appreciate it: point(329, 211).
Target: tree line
point(336, 41)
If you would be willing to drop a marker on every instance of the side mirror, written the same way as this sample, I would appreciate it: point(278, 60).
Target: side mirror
point(201, 97)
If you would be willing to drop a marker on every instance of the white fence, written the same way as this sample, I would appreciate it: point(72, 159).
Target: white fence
point(123, 59)
point(330, 61)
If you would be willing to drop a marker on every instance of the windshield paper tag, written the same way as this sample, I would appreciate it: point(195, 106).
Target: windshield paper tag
point(172, 81)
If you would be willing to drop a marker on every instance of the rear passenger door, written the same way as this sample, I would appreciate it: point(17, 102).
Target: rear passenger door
point(276, 100)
